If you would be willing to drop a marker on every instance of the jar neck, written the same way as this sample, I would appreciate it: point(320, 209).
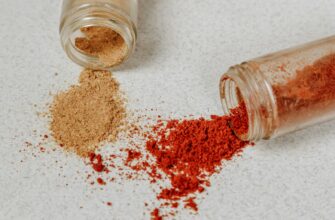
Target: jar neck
point(88, 15)
point(246, 83)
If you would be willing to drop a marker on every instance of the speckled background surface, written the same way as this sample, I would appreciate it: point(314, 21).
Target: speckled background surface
point(183, 48)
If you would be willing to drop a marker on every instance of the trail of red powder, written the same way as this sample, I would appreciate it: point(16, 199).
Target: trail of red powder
point(187, 152)
point(190, 151)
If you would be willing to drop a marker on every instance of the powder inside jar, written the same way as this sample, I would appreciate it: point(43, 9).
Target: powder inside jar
point(88, 113)
point(308, 95)
point(104, 43)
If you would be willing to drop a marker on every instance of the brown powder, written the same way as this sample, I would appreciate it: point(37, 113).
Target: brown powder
point(104, 43)
point(88, 113)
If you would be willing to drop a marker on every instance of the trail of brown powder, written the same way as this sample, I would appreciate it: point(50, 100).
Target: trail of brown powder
point(104, 43)
point(88, 113)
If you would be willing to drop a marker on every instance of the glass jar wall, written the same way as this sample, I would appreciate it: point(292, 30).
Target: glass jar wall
point(283, 91)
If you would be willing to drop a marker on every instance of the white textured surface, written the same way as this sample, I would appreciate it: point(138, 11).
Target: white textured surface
point(183, 48)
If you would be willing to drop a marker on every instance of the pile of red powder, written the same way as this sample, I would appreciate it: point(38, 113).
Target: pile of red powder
point(186, 153)
point(189, 151)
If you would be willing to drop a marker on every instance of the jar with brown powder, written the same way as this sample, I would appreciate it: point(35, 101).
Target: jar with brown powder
point(99, 34)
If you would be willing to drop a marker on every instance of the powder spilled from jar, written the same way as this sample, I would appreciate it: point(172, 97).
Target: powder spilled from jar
point(189, 152)
point(104, 43)
point(88, 113)
point(183, 153)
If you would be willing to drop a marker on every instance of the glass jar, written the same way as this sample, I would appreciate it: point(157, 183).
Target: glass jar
point(284, 91)
point(118, 15)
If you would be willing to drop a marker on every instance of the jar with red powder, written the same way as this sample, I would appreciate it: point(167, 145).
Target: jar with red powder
point(284, 91)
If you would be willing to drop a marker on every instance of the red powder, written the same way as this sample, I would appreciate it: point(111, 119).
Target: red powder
point(191, 204)
point(109, 203)
point(96, 162)
point(239, 120)
point(101, 181)
point(190, 151)
point(175, 205)
point(309, 95)
point(155, 215)
point(133, 155)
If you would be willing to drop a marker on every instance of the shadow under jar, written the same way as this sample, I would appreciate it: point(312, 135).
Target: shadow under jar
point(284, 91)
point(100, 23)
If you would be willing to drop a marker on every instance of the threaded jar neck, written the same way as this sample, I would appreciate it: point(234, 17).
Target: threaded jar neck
point(245, 83)
point(95, 15)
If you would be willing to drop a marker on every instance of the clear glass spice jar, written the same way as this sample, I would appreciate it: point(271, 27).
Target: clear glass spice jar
point(117, 15)
point(284, 91)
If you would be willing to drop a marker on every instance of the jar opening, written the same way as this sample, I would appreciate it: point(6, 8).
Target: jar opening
point(246, 84)
point(230, 94)
point(233, 104)
point(92, 26)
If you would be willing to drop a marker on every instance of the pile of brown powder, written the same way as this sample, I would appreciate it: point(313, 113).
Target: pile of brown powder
point(104, 43)
point(88, 113)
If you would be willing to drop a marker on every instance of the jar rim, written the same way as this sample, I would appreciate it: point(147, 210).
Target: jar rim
point(109, 17)
point(238, 85)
